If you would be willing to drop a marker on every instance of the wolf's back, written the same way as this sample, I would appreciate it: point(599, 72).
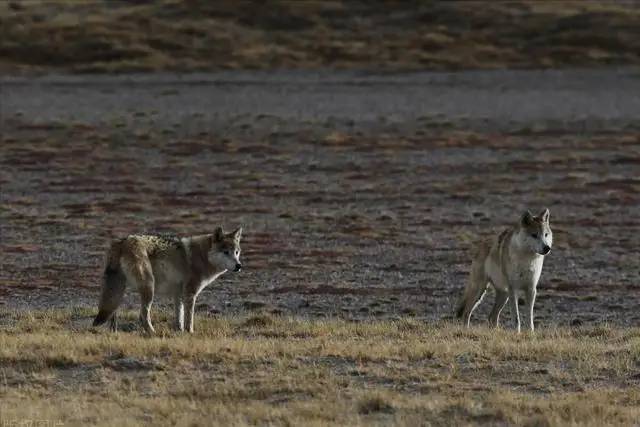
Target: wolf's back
point(113, 285)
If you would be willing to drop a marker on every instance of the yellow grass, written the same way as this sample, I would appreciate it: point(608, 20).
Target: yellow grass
point(286, 371)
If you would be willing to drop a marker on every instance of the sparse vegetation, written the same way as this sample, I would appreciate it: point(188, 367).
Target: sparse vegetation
point(117, 36)
point(289, 371)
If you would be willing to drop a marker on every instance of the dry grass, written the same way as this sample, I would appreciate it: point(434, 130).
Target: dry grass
point(115, 36)
point(286, 371)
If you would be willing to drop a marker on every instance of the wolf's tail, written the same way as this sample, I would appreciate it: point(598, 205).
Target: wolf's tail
point(469, 294)
point(113, 286)
point(477, 282)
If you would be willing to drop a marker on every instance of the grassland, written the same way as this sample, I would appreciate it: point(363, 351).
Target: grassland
point(121, 36)
point(271, 370)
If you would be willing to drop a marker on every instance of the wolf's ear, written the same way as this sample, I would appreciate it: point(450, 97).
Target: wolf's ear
point(237, 234)
point(544, 215)
point(218, 235)
point(526, 219)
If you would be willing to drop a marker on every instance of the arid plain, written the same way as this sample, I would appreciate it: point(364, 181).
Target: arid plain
point(361, 181)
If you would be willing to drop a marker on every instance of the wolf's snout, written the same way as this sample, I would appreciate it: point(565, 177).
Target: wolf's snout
point(238, 267)
point(545, 250)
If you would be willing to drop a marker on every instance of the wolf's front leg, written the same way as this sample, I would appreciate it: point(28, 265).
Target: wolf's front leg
point(179, 312)
point(189, 311)
point(513, 297)
point(531, 300)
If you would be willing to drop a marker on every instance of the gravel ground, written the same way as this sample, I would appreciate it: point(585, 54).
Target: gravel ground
point(488, 100)
point(360, 193)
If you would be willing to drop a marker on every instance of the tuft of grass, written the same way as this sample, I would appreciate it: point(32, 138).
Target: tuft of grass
point(260, 320)
point(374, 404)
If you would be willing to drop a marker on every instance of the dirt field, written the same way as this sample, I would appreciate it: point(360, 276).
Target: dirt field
point(360, 194)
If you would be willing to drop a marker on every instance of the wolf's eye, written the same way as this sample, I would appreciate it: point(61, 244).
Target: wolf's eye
point(546, 234)
point(534, 235)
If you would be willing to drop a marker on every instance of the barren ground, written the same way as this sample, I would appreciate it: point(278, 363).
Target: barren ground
point(360, 194)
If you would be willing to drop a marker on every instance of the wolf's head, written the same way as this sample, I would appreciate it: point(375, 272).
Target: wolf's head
point(535, 233)
point(225, 250)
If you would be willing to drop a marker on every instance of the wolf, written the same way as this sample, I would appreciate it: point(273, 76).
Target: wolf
point(163, 265)
point(511, 263)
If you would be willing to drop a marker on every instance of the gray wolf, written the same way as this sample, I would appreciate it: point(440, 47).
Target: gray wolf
point(511, 263)
point(161, 265)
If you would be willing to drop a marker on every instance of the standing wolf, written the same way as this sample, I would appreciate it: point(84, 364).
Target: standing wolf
point(178, 267)
point(512, 263)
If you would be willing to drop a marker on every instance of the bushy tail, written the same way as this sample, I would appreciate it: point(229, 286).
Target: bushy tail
point(477, 283)
point(113, 286)
point(469, 295)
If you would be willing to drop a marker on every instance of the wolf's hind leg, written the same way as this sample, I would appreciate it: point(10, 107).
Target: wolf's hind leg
point(501, 300)
point(514, 308)
point(473, 303)
point(113, 322)
point(138, 272)
point(146, 299)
